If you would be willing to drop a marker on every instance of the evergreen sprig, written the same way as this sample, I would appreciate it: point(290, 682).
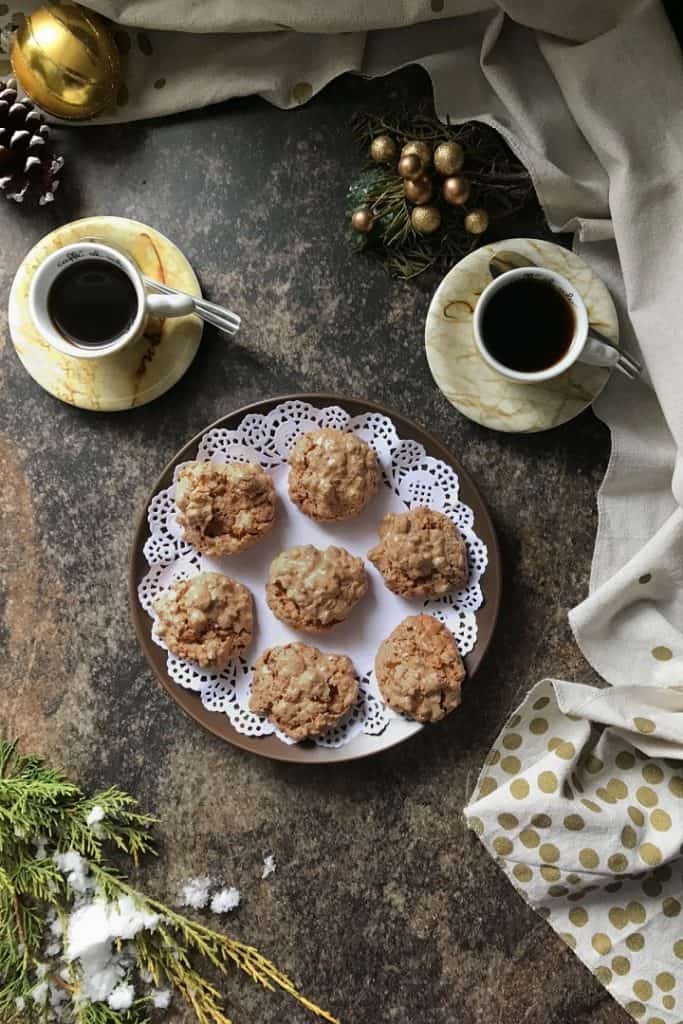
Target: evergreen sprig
point(499, 183)
point(43, 813)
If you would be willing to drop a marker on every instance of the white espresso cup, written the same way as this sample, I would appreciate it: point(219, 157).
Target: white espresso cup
point(147, 304)
point(582, 347)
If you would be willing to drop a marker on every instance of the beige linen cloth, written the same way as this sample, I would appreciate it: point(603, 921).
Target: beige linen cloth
point(581, 798)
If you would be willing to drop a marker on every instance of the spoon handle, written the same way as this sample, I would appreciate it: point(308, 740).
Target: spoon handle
point(220, 317)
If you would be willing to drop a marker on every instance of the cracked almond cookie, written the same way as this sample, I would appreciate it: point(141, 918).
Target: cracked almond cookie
point(333, 474)
point(421, 553)
point(419, 669)
point(224, 508)
point(207, 619)
point(312, 589)
point(301, 690)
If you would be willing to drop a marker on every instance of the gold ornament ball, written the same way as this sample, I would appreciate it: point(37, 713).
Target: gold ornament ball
point(383, 149)
point(449, 157)
point(410, 167)
point(476, 222)
point(362, 220)
point(456, 190)
point(422, 150)
point(65, 58)
point(419, 191)
point(425, 219)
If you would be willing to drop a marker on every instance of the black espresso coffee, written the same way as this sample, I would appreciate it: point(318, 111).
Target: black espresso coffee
point(92, 302)
point(528, 325)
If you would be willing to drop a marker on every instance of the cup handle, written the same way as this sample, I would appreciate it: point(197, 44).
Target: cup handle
point(596, 353)
point(168, 305)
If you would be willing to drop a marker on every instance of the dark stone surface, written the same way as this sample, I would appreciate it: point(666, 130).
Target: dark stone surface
point(383, 906)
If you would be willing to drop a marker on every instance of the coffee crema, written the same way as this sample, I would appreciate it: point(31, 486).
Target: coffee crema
point(92, 302)
point(528, 325)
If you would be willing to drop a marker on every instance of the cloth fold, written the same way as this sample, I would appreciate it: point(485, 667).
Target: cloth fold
point(581, 803)
point(581, 795)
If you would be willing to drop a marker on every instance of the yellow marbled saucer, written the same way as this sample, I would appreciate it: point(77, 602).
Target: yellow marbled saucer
point(141, 371)
point(471, 385)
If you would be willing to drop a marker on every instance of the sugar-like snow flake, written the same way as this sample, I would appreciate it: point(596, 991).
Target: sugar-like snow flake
point(161, 998)
point(75, 868)
point(225, 900)
point(91, 931)
point(269, 866)
point(39, 993)
point(96, 815)
point(122, 997)
point(195, 892)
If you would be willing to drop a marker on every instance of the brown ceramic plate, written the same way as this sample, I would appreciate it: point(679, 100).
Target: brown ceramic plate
point(270, 746)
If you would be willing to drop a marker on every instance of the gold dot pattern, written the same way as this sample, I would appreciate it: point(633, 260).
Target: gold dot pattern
point(512, 741)
point(511, 764)
point(519, 789)
point(662, 653)
point(646, 796)
point(547, 782)
point(589, 858)
point(660, 820)
point(601, 943)
point(585, 835)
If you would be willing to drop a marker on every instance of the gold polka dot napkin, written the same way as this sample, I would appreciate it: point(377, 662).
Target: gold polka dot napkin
point(581, 802)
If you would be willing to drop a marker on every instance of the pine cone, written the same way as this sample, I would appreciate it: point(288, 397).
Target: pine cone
point(27, 163)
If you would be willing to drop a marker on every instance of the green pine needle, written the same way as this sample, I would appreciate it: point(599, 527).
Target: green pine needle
point(43, 813)
point(499, 183)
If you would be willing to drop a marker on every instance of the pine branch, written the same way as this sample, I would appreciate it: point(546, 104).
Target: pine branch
point(499, 183)
point(43, 813)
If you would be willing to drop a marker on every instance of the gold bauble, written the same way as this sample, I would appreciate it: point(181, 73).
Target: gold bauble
point(418, 192)
point(448, 157)
point(476, 222)
point(422, 150)
point(383, 149)
point(66, 60)
point(362, 220)
point(425, 219)
point(455, 190)
point(410, 167)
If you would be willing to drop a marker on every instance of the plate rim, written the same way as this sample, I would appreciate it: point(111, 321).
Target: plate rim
point(187, 700)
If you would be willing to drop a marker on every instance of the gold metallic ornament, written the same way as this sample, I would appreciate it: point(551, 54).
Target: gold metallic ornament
point(65, 58)
point(383, 149)
point(410, 167)
point(476, 222)
point(425, 219)
point(419, 191)
point(456, 190)
point(422, 150)
point(449, 157)
point(362, 220)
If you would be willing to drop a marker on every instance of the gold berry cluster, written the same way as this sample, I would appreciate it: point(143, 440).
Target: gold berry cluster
point(426, 172)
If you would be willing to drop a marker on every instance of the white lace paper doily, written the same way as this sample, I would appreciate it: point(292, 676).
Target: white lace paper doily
point(409, 477)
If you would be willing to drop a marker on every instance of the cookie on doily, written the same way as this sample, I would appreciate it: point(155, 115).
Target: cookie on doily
point(421, 553)
point(224, 508)
point(207, 619)
point(333, 474)
point(419, 670)
point(303, 691)
point(312, 589)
